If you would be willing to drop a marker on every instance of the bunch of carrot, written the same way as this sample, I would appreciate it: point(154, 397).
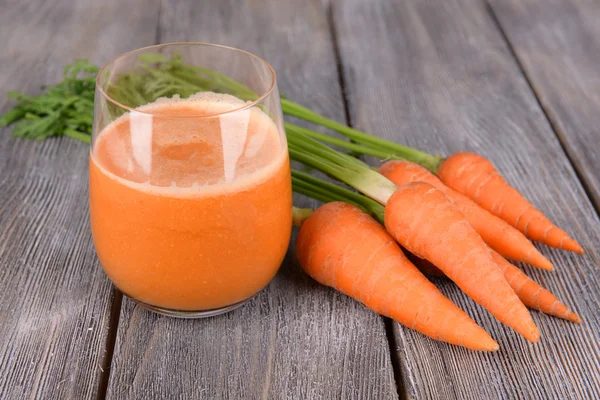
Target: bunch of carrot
point(461, 223)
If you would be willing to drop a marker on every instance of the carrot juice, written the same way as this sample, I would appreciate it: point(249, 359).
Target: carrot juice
point(191, 204)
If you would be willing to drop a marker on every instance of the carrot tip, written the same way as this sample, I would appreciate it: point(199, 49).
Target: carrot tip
point(534, 334)
point(494, 347)
point(545, 267)
point(545, 264)
point(572, 245)
point(571, 316)
point(487, 344)
point(541, 262)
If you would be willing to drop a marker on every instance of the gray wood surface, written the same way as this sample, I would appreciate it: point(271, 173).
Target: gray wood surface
point(439, 76)
point(297, 339)
point(55, 301)
point(557, 43)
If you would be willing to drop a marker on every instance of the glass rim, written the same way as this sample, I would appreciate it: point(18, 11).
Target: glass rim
point(246, 105)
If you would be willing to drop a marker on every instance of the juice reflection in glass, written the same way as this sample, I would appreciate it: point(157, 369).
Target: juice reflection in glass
point(190, 198)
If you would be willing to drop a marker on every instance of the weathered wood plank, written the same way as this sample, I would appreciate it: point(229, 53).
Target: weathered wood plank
point(54, 299)
point(439, 76)
point(297, 339)
point(558, 44)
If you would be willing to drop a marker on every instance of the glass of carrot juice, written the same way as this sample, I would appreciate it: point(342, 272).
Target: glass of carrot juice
point(190, 187)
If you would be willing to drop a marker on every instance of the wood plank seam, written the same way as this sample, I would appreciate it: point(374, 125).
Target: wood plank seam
point(339, 66)
point(553, 125)
point(397, 368)
point(111, 339)
point(158, 30)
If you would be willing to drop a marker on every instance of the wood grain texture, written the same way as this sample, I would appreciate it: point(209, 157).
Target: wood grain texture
point(439, 76)
point(297, 339)
point(558, 44)
point(54, 298)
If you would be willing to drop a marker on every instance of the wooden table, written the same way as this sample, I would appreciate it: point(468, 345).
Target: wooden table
point(515, 80)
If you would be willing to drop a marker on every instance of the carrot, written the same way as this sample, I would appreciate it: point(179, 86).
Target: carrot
point(453, 245)
point(342, 247)
point(498, 234)
point(476, 178)
point(426, 223)
point(530, 292)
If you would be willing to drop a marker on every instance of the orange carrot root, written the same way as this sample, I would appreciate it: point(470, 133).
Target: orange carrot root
point(342, 247)
point(498, 234)
point(532, 294)
point(475, 177)
point(424, 221)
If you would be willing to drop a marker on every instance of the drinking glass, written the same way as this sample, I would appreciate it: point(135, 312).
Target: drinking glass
point(190, 188)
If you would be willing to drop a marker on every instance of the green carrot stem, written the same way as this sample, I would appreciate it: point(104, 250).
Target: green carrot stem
point(194, 79)
point(408, 153)
point(327, 192)
point(299, 215)
point(307, 144)
point(319, 163)
point(328, 187)
point(356, 148)
point(359, 177)
point(312, 192)
point(319, 193)
point(241, 91)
